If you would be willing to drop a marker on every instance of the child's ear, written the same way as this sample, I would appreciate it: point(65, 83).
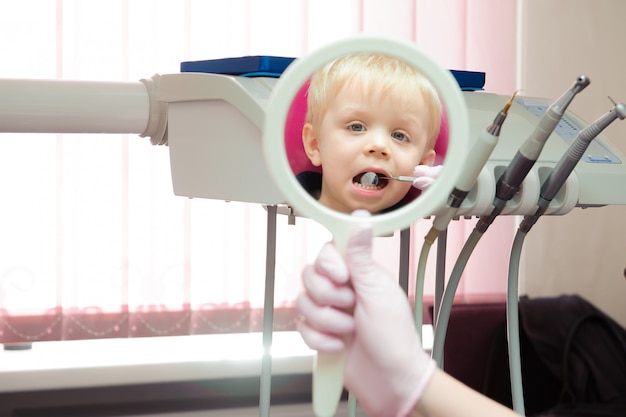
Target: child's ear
point(311, 144)
point(428, 158)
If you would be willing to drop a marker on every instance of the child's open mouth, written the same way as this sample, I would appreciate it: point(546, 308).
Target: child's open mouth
point(370, 180)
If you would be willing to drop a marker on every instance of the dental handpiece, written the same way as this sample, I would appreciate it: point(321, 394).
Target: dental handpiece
point(568, 162)
point(510, 181)
point(476, 160)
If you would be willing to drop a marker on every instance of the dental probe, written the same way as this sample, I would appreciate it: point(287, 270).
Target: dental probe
point(403, 178)
point(479, 154)
point(568, 161)
point(510, 181)
point(372, 178)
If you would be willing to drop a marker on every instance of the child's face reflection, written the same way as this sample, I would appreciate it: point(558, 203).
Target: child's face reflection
point(363, 132)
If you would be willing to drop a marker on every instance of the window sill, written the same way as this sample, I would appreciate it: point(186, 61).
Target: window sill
point(115, 362)
point(106, 362)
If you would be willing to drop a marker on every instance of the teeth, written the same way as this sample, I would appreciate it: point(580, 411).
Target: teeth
point(367, 186)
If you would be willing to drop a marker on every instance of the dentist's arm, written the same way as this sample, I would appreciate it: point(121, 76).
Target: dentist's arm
point(353, 303)
point(448, 397)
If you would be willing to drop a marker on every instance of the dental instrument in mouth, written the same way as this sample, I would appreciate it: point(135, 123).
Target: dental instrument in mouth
point(372, 178)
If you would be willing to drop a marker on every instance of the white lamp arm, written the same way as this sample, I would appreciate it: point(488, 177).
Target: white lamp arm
point(64, 106)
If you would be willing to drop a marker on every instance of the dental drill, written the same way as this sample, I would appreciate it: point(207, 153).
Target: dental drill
point(567, 163)
point(507, 186)
point(477, 159)
point(549, 190)
point(510, 181)
point(480, 153)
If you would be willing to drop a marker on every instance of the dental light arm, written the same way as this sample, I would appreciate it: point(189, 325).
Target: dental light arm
point(62, 106)
point(568, 162)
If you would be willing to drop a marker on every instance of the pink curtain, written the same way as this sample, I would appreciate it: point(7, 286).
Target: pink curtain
point(93, 242)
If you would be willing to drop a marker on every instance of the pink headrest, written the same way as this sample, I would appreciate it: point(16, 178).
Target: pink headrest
point(298, 160)
point(441, 145)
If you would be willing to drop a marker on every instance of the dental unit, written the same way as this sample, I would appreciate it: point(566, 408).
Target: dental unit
point(206, 119)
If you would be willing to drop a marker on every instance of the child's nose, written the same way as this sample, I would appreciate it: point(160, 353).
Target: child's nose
point(378, 144)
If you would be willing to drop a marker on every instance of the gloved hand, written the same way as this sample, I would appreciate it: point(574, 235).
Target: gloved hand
point(425, 175)
point(354, 304)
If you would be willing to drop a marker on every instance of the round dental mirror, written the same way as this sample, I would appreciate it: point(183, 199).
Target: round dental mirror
point(278, 138)
point(283, 158)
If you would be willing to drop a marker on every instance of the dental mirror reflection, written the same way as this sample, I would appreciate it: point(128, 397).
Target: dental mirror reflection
point(365, 132)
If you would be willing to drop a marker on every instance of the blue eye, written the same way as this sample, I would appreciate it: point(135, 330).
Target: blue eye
point(400, 136)
point(356, 127)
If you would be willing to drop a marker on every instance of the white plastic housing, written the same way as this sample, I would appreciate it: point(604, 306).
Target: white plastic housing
point(215, 125)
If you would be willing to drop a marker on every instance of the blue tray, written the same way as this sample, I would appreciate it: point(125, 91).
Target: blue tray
point(273, 66)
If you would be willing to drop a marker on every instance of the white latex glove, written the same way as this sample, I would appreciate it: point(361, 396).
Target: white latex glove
point(425, 175)
point(355, 305)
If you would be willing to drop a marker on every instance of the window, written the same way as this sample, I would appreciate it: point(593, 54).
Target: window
point(94, 244)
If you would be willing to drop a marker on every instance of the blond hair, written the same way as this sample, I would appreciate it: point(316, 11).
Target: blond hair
point(375, 72)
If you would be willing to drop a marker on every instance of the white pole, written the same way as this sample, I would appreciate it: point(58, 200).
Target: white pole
point(63, 106)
